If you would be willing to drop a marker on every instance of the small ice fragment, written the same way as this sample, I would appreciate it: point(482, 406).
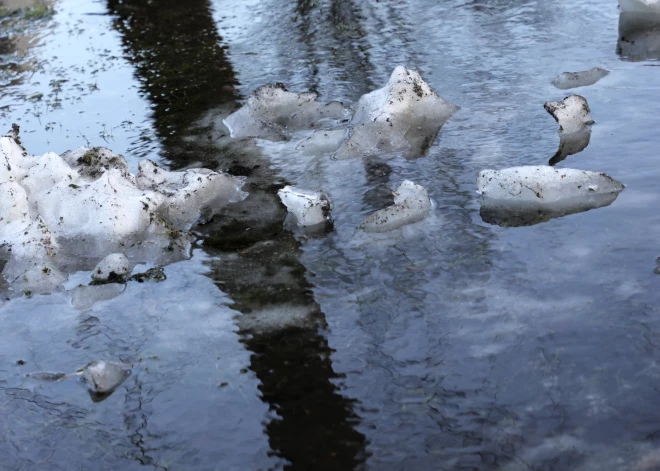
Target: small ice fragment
point(112, 269)
point(84, 297)
point(310, 208)
point(404, 116)
point(572, 113)
point(579, 79)
point(271, 111)
point(103, 377)
point(640, 6)
point(323, 141)
point(571, 143)
point(528, 195)
point(411, 204)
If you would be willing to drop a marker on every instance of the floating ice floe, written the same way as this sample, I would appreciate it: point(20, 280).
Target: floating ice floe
point(639, 35)
point(520, 196)
point(103, 377)
point(411, 204)
point(310, 208)
point(404, 116)
point(69, 211)
point(572, 113)
point(272, 112)
point(579, 79)
point(571, 143)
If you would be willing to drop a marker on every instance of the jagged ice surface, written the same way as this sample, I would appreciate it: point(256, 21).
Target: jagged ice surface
point(70, 210)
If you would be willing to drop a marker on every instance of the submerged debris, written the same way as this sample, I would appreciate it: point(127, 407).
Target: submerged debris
point(520, 196)
point(404, 116)
point(272, 111)
point(156, 274)
point(572, 113)
point(579, 79)
point(411, 204)
point(310, 208)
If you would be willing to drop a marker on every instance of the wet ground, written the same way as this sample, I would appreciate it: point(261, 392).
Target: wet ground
point(449, 344)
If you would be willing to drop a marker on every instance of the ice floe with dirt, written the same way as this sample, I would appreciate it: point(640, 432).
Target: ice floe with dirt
point(572, 113)
point(521, 196)
point(411, 204)
point(272, 112)
point(585, 78)
point(60, 214)
point(310, 208)
point(403, 116)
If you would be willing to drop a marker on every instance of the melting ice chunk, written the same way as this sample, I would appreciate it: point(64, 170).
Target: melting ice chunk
point(310, 208)
point(579, 79)
point(572, 113)
point(528, 195)
point(103, 377)
point(114, 269)
point(404, 116)
point(271, 111)
point(411, 204)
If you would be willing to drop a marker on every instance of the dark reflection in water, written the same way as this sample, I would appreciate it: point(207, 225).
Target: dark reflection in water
point(181, 64)
point(571, 144)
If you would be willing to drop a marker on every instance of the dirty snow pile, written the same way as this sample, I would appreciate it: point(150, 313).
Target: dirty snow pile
point(404, 116)
point(65, 213)
point(528, 195)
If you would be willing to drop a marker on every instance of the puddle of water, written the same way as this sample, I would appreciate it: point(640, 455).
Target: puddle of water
point(448, 344)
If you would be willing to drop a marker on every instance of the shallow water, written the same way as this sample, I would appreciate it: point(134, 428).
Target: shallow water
point(448, 344)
